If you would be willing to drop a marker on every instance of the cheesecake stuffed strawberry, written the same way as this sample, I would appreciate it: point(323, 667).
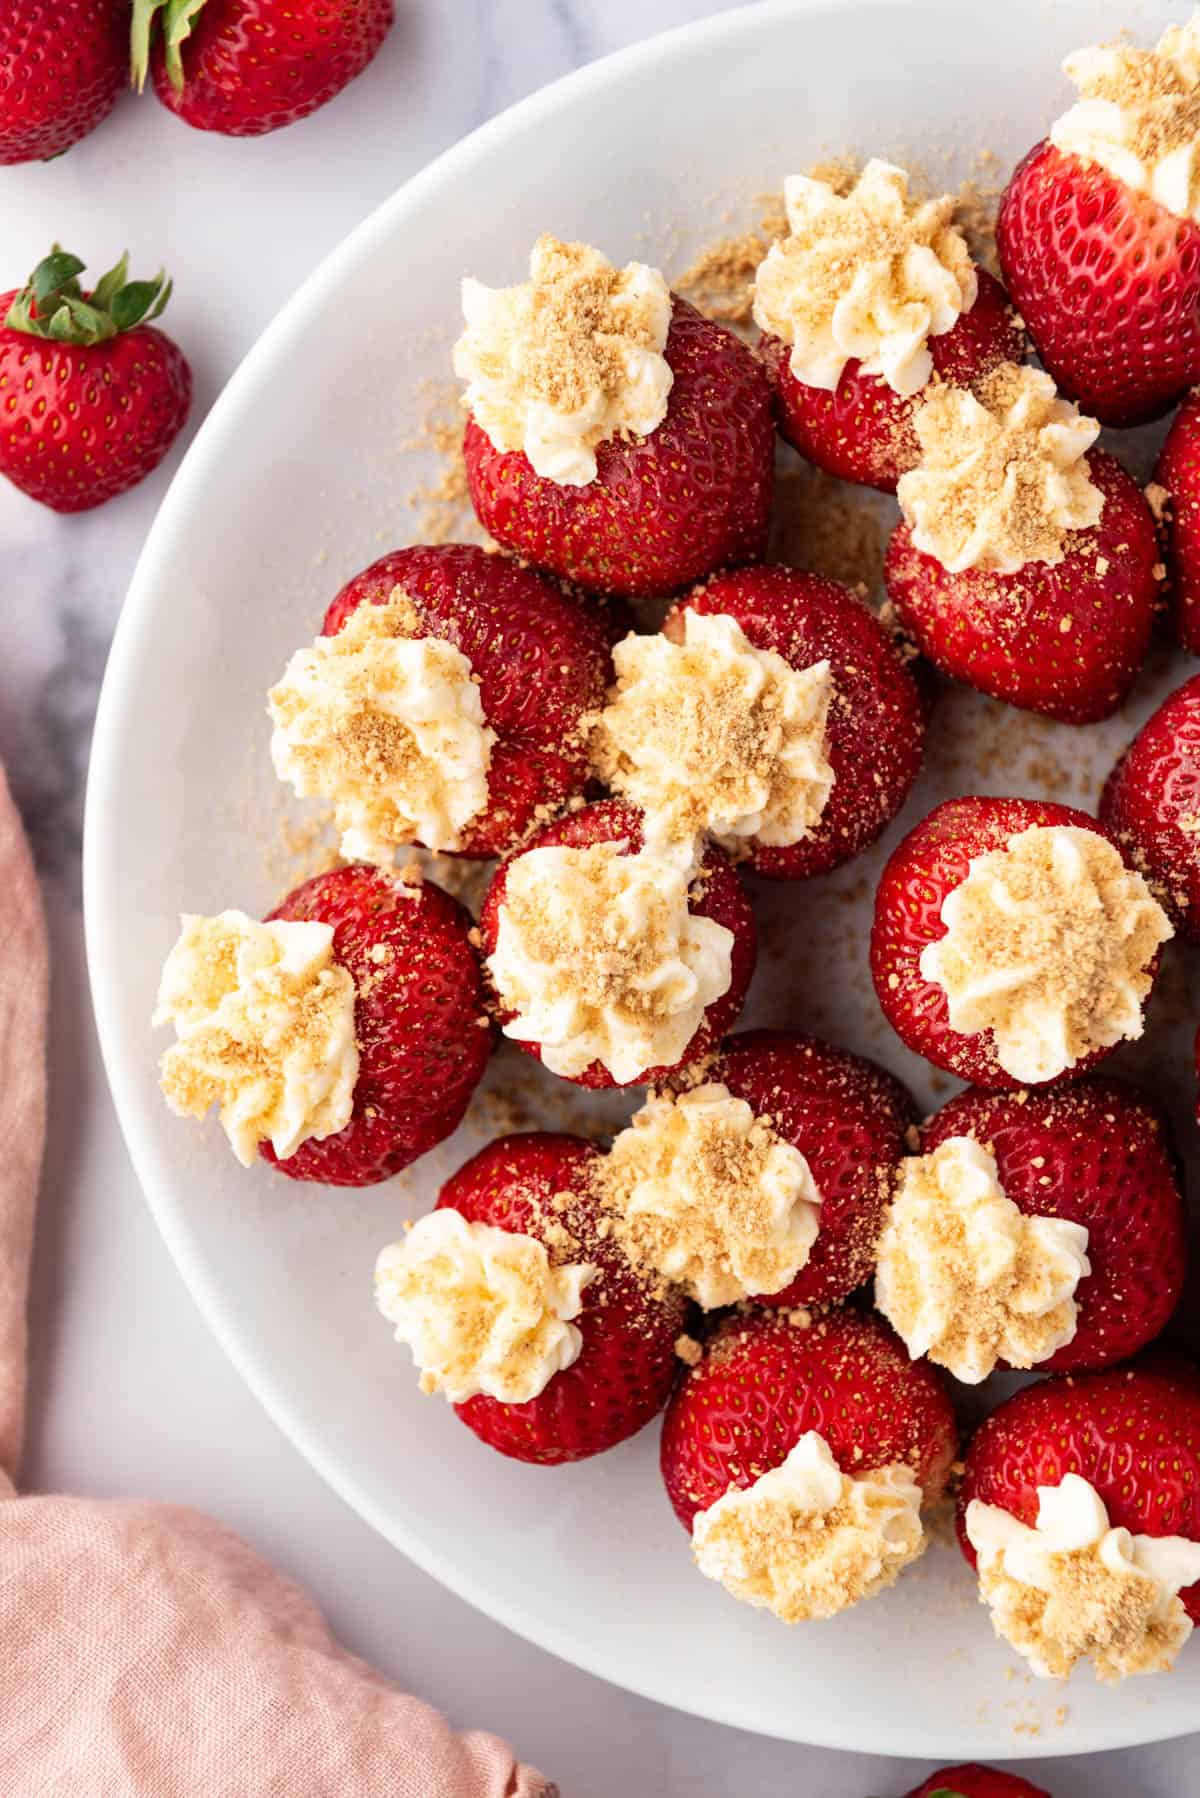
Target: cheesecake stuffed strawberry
point(443, 704)
point(615, 437)
point(1099, 230)
point(1027, 562)
point(1080, 1511)
point(870, 297)
point(614, 963)
point(799, 1455)
point(519, 1306)
point(772, 715)
point(1151, 805)
point(1012, 945)
point(766, 1177)
point(1018, 1238)
point(341, 1038)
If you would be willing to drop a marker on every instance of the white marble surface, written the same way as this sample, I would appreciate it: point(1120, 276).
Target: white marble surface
point(130, 1393)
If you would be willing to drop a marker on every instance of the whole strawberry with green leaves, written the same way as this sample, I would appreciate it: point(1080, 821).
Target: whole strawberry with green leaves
point(245, 67)
point(92, 395)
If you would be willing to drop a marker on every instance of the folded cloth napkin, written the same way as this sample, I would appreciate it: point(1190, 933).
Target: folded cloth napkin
point(146, 1652)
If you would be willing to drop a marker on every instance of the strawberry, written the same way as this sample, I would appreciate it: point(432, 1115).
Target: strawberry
point(538, 1185)
point(715, 894)
point(663, 510)
point(931, 863)
point(245, 67)
point(765, 1380)
point(1107, 282)
point(1065, 639)
point(94, 394)
point(974, 1781)
point(875, 732)
point(540, 657)
point(1132, 1432)
point(423, 1038)
point(63, 64)
point(1054, 1158)
point(1151, 805)
point(862, 431)
point(848, 1117)
point(1177, 477)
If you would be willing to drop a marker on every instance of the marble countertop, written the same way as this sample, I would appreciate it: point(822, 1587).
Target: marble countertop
point(131, 1394)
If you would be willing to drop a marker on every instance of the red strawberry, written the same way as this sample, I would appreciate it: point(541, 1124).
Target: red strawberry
point(848, 1118)
point(1054, 1156)
point(1133, 1433)
point(537, 1185)
point(930, 863)
point(63, 64)
point(663, 510)
point(862, 431)
point(245, 67)
point(1151, 805)
point(974, 1781)
point(717, 894)
point(423, 1037)
point(766, 1380)
point(876, 728)
point(1107, 282)
point(1065, 639)
point(542, 661)
point(1178, 472)
point(93, 396)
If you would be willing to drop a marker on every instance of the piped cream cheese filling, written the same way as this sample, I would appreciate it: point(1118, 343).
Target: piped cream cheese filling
point(600, 959)
point(567, 360)
point(870, 275)
point(964, 1277)
point(1002, 478)
point(708, 1196)
point(1138, 115)
point(1073, 1588)
point(264, 1018)
point(482, 1309)
point(1049, 945)
point(715, 736)
point(387, 726)
point(807, 1540)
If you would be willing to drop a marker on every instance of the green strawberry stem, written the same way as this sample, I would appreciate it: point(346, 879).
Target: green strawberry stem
point(53, 305)
point(178, 17)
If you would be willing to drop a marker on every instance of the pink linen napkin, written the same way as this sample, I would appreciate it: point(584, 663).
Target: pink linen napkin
point(145, 1651)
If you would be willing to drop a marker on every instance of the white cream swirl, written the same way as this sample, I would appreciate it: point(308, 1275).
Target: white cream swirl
point(567, 360)
point(264, 1017)
point(807, 1540)
point(965, 1277)
point(1002, 477)
point(714, 736)
point(869, 275)
point(1138, 116)
point(389, 728)
point(482, 1309)
point(708, 1196)
point(1073, 1588)
point(1048, 945)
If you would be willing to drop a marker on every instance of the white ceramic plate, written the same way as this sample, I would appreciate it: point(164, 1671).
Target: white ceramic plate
point(297, 479)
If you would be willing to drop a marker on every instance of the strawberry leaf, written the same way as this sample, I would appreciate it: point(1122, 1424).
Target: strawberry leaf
point(53, 305)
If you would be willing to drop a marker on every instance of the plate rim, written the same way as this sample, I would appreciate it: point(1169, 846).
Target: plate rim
point(310, 297)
